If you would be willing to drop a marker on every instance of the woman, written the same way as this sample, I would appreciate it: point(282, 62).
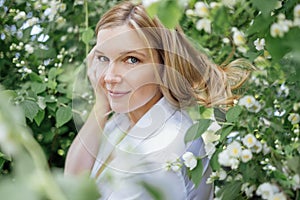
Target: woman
point(144, 75)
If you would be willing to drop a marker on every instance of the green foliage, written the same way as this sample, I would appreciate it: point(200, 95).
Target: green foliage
point(31, 177)
point(197, 130)
point(41, 55)
point(196, 173)
point(40, 68)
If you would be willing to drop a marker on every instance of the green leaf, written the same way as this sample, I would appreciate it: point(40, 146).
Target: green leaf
point(219, 114)
point(196, 173)
point(152, 9)
point(80, 187)
point(221, 21)
point(87, 35)
point(294, 164)
point(265, 6)
point(39, 117)
point(153, 190)
point(34, 77)
point(38, 87)
point(225, 132)
point(196, 130)
point(233, 114)
point(214, 163)
point(169, 13)
point(230, 191)
point(63, 115)
point(53, 72)
point(30, 108)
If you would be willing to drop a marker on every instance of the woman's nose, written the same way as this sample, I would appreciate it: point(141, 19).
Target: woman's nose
point(112, 75)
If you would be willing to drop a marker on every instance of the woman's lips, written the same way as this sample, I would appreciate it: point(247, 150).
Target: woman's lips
point(116, 94)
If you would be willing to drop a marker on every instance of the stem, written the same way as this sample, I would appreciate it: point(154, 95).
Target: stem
point(86, 24)
point(49, 185)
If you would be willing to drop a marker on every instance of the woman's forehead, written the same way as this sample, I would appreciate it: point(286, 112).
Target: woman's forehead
point(120, 36)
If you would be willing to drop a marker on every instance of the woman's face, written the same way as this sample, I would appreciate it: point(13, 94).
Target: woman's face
point(127, 72)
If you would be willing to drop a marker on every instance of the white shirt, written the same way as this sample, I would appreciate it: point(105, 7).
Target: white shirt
point(129, 159)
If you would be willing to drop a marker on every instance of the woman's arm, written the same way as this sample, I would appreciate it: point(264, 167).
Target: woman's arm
point(84, 149)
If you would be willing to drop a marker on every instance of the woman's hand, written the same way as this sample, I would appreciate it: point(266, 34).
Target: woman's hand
point(95, 74)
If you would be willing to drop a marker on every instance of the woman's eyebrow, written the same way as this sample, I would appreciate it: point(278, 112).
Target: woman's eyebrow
point(133, 51)
point(97, 51)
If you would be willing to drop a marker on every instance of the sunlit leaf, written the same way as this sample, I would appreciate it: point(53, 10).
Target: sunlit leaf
point(197, 130)
point(63, 115)
point(196, 173)
point(233, 114)
point(87, 35)
point(30, 108)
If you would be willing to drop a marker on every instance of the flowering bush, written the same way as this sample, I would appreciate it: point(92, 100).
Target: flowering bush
point(258, 153)
point(42, 47)
point(254, 155)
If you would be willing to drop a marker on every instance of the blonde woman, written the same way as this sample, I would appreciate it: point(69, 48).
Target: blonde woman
point(144, 76)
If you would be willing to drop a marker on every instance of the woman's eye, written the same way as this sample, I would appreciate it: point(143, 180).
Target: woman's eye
point(103, 59)
point(132, 60)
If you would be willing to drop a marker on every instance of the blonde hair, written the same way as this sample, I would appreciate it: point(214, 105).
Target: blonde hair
point(188, 76)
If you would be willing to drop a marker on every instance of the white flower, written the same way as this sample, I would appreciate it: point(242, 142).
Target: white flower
point(248, 190)
point(190, 160)
point(176, 167)
point(297, 22)
point(229, 3)
point(201, 9)
point(62, 7)
point(234, 163)
point(294, 118)
point(210, 136)
point(276, 30)
point(36, 29)
point(225, 40)
point(223, 158)
point(173, 164)
point(20, 15)
point(296, 106)
point(32, 21)
point(297, 11)
point(234, 149)
point(213, 176)
point(148, 3)
point(255, 108)
point(204, 24)
point(29, 48)
point(259, 44)
point(214, 5)
point(247, 101)
point(242, 49)
point(278, 5)
point(222, 174)
point(209, 149)
point(238, 38)
point(278, 196)
point(249, 140)
point(257, 147)
point(296, 180)
point(285, 25)
point(190, 12)
point(246, 155)
point(266, 190)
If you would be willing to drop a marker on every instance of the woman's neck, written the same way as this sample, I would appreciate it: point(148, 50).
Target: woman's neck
point(137, 114)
